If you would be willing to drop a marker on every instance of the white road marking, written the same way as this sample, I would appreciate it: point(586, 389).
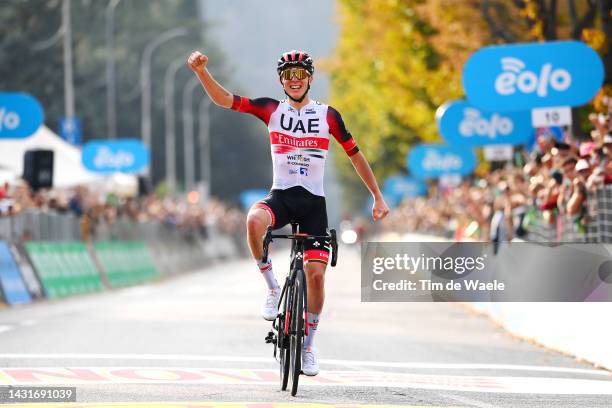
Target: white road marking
point(210, 404)
point(469, 401)
point(269, 377)
point(29, 322)
point(346, 363)
point(5, 328)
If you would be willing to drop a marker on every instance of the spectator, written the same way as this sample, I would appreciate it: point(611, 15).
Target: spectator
point(4, 190)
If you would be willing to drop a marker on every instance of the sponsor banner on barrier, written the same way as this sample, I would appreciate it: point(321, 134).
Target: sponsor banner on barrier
point(111, 156)
point(13, 287)
point(64, 268)
point(433, 160)
point(125, 262)
point(27, 271)
point(531, 75)
point(484, 272)
point(20, 115)
point(462, 124)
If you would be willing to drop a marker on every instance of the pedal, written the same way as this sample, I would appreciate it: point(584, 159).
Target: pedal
point(271, 338)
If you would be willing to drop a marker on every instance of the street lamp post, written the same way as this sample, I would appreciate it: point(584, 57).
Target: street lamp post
point(145, 80)
point(170, 138)
point(68, 81)
point(188, 134)
point(111, 89)
point(204, 139)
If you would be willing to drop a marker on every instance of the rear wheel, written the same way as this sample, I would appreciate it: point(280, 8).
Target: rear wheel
point(283, 344)
point(297, 331)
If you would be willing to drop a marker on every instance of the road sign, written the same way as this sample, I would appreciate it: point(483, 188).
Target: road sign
point(70, 130)
point(498, 152)
point(450, 180)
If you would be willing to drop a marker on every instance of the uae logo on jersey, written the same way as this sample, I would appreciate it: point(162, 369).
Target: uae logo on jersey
point(311, 125)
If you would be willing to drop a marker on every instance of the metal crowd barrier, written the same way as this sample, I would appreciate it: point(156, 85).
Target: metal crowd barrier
point(566, 229)
point(40, 226)
point(32, 225)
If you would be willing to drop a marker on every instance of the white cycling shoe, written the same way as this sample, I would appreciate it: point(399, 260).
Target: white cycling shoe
point(269, 311)
point(310, 366)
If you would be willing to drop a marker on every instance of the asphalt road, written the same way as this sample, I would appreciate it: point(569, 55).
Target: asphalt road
point(197, 341)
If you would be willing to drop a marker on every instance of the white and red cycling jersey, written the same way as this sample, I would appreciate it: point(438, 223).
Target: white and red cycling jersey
point(299, 139)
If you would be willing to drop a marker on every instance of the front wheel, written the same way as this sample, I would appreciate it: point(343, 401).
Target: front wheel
point(297, 331)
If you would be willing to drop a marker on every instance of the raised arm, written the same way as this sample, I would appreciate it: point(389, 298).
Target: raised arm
point(219, 95)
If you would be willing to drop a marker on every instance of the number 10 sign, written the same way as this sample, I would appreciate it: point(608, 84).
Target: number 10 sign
point(547, 117)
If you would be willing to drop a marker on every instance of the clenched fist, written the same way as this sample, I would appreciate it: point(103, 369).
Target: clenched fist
point(197, 61)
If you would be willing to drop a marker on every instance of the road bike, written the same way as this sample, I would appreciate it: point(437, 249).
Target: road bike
point(288, 329)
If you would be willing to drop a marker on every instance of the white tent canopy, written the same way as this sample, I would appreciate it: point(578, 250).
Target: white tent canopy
point(68, 171)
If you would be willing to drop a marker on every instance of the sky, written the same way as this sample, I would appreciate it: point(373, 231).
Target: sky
point(253, 34)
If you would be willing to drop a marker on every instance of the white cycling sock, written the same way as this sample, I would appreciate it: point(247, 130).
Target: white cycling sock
point(268, 274)
point(313, 322)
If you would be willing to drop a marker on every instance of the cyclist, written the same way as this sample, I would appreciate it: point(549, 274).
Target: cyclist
point(300, 130)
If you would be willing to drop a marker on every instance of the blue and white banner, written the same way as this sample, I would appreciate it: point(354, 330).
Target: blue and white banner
point(404, 186)
point(70, 130)
point(462, 124)
point(525, 76)
point(433, 161)
point(20, 115)
point(111, 156)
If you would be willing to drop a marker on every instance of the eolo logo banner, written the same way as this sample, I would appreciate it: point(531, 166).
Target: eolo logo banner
point(20, 115)
point(465, 125)
point(110, 156)
point(525, 76)
point(432, 161)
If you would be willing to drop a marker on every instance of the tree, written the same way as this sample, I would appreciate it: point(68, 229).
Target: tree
point(398, 60)
point(395, 63)
point(28, 67)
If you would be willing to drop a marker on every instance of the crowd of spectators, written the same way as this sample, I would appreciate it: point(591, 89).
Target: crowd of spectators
point(548, 185)
point(94, 208)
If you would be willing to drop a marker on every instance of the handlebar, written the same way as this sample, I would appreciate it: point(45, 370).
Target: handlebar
point(299, 236)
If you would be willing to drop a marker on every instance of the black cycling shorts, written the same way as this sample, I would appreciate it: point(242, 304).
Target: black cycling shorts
point(296, 204)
